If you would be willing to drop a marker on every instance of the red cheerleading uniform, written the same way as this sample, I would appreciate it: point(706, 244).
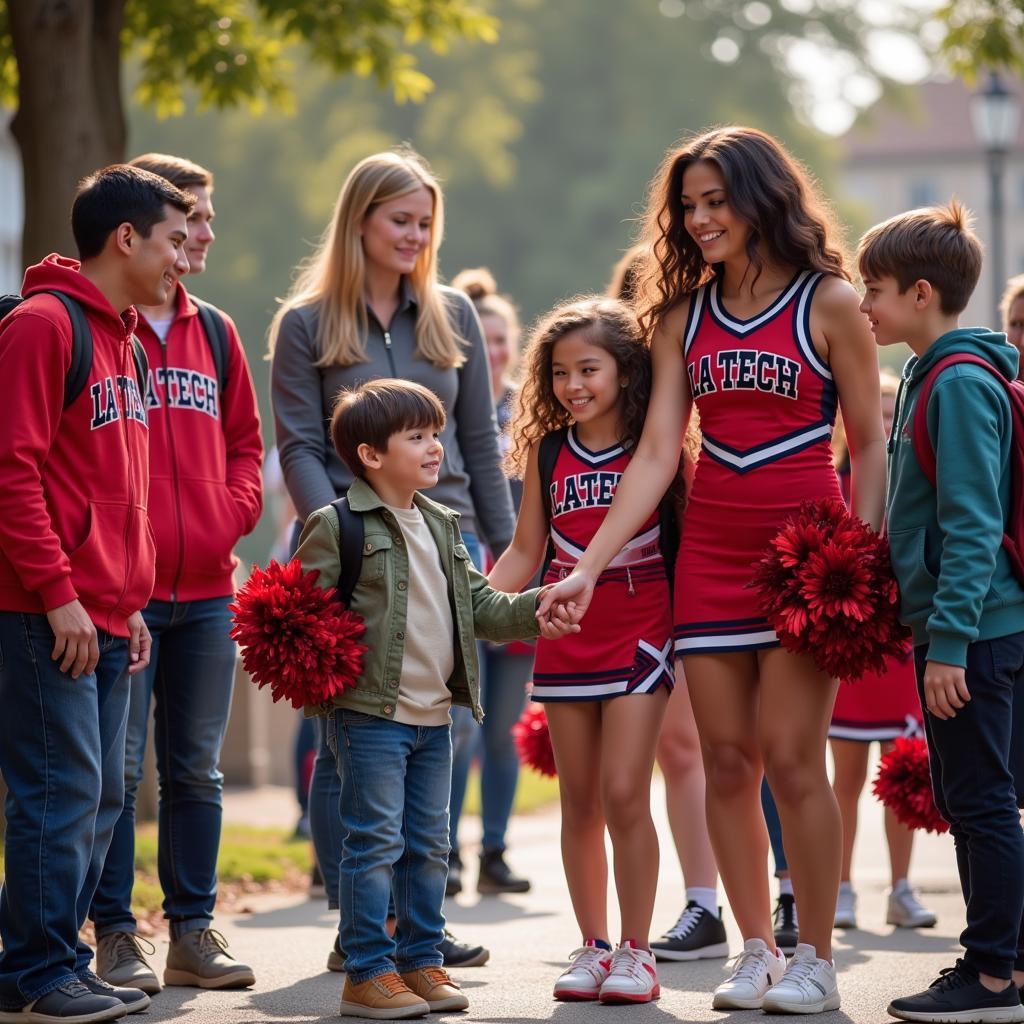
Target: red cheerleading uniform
point(767, 407)
point(625, 642)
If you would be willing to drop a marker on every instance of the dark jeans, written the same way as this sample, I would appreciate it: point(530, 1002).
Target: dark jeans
point(973, 782)
point(395, 782)
point(62, 757)
point(189, 683)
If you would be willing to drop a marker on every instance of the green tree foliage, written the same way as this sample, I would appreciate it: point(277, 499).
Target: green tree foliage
point(982, 35)
point(60, 64)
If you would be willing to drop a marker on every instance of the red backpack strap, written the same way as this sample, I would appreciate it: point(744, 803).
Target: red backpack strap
point(923, 448)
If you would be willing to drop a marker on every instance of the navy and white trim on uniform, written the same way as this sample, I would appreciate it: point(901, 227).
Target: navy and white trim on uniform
point(652, 668)
point(724, 637)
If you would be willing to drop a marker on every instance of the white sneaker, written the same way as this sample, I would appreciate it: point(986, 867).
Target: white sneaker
point(757, 969)
point(846, 908)
point(907, 911)
point(588, 969)
point(808, 986)
point(632, 978)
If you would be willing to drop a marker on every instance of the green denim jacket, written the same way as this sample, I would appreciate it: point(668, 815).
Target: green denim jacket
point(380, 597)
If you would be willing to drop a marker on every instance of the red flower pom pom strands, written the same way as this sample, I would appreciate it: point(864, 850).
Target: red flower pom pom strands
point(296, 638)
point(533, 741)
point(904, 785)
point(827, 588)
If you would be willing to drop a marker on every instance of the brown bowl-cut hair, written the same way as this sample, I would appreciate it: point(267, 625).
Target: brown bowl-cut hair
point(372, 412)
point(935, 244)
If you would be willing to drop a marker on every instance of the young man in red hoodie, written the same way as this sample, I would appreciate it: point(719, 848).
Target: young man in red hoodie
point(205, 493)
point(76, 568)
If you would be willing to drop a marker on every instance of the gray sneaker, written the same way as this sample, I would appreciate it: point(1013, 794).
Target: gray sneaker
point(201, 959)
point(120, 962)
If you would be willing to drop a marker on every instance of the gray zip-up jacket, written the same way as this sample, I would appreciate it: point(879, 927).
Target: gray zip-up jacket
point(303, 395)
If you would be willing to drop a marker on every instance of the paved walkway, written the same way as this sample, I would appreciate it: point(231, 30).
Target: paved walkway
point(286, 939)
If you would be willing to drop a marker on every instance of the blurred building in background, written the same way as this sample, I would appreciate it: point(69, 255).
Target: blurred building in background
point(12, 209)
point(901, 157)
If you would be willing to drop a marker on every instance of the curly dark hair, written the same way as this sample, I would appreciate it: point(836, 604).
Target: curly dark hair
point(608, 323)
point(790, 222)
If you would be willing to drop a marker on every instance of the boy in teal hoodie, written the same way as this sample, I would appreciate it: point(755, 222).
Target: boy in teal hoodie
point(958, 593)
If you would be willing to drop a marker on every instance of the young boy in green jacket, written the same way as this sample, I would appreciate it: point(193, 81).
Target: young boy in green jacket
point(424, 605)
point(958, 592)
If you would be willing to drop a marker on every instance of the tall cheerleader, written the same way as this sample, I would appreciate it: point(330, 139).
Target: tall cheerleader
point(585, 389)
point(753, 318)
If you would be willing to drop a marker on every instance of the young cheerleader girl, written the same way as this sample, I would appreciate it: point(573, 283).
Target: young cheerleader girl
point(588, 376)
point(754, 320)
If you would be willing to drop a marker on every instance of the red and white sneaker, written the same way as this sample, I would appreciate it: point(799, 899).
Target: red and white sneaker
point(587, 971)
point(632, 978)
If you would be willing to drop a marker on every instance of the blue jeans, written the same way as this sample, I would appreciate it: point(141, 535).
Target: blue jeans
point(325, 787)
point(395, 783)
point(973, 782)
point(503, 696)
point(189, 682)
point(771, 819)
point(62, 757)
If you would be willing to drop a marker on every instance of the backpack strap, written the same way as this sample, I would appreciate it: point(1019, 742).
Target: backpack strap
point(547, 455)
point(922, 442)
point(81, 348)
point(141, 361)
point(350, 549)
point(216, 330)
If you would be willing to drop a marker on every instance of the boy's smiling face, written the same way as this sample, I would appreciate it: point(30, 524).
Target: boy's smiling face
point(411, 463)
point(891, 314)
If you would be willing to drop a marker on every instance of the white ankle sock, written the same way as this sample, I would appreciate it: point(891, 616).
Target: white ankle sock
point(785, 886)
point(703, 896)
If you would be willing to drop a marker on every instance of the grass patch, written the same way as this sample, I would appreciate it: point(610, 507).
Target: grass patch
point(251, 856)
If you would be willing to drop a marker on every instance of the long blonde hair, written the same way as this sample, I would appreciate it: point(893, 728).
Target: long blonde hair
point(334, 277)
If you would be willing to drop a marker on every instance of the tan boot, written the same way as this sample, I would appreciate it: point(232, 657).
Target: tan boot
point(385, 997)
point(434, 985)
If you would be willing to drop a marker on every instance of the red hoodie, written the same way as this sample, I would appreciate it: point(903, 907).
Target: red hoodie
point(205, 453)
point(73, 518)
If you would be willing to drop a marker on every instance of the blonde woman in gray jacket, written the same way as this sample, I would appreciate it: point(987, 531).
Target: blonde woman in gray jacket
point(365, 305)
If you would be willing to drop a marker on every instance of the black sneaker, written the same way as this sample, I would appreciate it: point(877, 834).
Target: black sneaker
point(496, 876)
point(786, 934)
point(134, 999)
point(697, 935)
point(453, 885)
point(957, 994)
point(460, 954)
point(72, 1002)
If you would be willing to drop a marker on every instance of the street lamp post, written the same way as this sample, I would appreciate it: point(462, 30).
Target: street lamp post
point(995, 113)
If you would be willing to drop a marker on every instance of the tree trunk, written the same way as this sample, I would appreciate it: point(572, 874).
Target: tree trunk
point(70, 118)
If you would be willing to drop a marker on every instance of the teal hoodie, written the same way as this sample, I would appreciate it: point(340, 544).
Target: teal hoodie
point(956, 584)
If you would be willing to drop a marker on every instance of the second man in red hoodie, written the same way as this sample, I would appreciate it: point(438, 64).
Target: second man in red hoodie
point(205, 493)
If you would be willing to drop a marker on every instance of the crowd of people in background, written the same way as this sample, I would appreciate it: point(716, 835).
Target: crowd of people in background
point(592, 511)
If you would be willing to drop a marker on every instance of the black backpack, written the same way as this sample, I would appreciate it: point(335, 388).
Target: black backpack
point(350, 549)
point(547, 456)
point(212, 319)
point(81, 346)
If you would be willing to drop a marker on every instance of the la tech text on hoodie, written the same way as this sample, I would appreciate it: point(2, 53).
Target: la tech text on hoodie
point(75, 481)
point(956, 584)
point(205, 454)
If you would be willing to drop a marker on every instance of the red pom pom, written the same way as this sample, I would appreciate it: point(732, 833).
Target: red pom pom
point(904, 785)
point(827, 588)
point(533, 741)
point(296, 637)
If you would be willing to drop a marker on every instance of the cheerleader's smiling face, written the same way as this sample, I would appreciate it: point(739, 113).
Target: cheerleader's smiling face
point(710, 221)
point(586, 380)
